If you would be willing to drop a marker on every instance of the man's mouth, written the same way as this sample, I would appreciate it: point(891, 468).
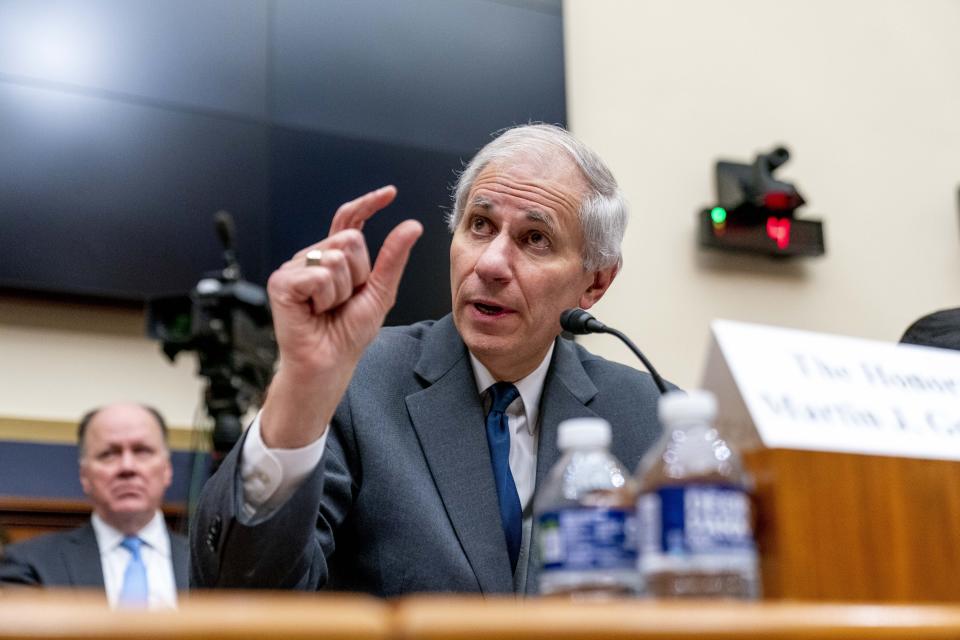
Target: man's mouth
point(488, 309)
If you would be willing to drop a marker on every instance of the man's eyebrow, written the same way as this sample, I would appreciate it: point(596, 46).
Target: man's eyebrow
point(482, 203)
point(533, 215)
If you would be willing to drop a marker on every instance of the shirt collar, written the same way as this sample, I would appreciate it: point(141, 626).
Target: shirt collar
point(154, 535)
point(530, 386)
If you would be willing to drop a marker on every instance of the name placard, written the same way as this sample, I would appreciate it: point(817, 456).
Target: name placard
point(802, 390)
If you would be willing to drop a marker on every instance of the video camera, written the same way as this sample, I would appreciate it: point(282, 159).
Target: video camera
point(227, 322)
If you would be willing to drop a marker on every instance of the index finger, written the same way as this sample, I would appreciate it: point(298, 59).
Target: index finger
point(353, 214)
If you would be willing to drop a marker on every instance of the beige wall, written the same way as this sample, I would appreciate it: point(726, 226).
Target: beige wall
point(865, 94)
point(60, 359)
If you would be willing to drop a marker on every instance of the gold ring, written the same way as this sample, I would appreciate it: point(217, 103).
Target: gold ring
point(313, 258)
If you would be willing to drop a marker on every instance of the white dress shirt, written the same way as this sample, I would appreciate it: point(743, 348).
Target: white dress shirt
point(522, 416)
point(269, 477)
point(155, 552)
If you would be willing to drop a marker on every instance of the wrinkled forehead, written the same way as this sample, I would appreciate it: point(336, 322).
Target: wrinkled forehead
point(547, 163)
point(553, 182)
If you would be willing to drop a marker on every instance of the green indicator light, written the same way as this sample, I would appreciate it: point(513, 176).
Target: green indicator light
point(718, 215)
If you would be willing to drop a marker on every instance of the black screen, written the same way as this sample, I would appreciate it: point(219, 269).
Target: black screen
point(125, 124)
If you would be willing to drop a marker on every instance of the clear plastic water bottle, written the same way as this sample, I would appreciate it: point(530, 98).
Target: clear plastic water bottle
point(586, 519)
point(693, 508)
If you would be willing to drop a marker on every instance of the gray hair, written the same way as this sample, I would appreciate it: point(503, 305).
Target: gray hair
point(603, 210)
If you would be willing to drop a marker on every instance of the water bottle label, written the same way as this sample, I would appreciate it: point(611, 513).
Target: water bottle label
point(588, 538)
point(707, 523)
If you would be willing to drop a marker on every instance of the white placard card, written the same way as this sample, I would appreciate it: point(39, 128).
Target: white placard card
point(802, 390)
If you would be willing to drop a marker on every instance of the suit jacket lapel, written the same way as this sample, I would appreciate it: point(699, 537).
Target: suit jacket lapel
point(82, 558)
point(566, 391)
point(449, 421)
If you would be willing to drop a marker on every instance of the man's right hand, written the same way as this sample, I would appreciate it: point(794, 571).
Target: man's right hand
point(324, 317)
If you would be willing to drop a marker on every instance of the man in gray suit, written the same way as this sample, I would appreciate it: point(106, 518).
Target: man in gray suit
point(369, 467)
point(124, 470)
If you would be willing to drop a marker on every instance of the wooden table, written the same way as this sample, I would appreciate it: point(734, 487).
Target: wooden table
point(235, 615)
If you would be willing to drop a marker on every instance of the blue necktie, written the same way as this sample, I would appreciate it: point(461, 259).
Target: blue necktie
point(498, 439)
point(134, 593)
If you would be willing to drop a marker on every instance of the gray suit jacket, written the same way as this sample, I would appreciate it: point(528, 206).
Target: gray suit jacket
point(404, 498)
point(72, 559)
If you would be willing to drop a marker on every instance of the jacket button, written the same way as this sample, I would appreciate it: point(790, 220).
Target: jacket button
point(213, 533)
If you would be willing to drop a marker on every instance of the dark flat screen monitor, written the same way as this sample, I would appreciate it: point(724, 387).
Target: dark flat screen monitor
point(125, 124)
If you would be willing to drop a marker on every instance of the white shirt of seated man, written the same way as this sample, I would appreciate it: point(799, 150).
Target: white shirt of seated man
point(156, 554)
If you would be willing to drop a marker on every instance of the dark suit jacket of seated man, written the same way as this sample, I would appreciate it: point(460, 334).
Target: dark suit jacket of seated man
point(368, 467)
point(124, 470)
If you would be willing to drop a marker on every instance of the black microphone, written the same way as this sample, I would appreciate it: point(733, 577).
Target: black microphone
point(580, 322)
point(223, 222)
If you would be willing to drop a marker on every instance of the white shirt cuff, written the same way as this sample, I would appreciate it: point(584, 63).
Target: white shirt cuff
point(270, 476)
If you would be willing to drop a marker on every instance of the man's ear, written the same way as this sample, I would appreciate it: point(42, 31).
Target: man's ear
point(84, 480)
point(602, 280)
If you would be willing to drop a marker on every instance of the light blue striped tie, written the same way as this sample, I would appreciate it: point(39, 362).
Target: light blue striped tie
point(134, 591)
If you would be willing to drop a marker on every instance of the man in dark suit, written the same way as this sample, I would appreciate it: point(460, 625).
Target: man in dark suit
point(125, 549)
point(369, 467)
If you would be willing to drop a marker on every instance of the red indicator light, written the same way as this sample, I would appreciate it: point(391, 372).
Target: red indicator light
point(778, 230)
point(778, 201)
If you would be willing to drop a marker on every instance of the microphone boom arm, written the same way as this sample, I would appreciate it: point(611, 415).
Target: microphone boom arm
point(580, 322)
point(653, 372)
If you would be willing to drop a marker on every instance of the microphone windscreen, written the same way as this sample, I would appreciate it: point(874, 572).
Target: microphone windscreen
point(575, 321)
point(223, 221)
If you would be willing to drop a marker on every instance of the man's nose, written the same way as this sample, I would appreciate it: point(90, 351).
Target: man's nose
point(496, 261)
point(128, 461)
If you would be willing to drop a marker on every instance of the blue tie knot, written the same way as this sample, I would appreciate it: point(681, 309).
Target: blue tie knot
point(501, 395)
point(132, 544)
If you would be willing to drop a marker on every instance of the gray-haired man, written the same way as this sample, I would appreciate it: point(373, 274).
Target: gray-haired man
point(369, 467)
